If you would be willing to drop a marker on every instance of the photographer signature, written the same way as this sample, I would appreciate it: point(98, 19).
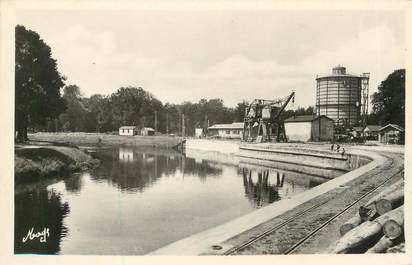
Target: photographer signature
point(43, 235)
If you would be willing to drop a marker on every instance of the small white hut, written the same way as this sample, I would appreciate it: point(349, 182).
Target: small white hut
point(127, 130)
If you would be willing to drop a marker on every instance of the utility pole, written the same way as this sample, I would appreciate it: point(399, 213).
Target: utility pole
point(167, 123)
point(155, 121)
point(183, 126)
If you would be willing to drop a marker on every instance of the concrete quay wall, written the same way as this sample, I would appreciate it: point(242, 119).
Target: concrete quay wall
point(203, 242)
point(314, 160)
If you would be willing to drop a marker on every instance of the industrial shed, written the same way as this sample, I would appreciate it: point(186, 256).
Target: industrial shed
point(392, 134)
point(372, 132)
point(147, 131)
point(309, 128)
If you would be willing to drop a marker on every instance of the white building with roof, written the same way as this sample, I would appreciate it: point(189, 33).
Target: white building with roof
point(228, 131)
point(128, 130)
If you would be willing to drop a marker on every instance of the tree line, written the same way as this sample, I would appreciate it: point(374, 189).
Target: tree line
point(133, 106)
point(43, 102)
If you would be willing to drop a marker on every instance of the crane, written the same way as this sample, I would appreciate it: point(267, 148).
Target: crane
point(263, 122)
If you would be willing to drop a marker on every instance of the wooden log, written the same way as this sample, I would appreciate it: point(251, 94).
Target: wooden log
point(366, 232)
point(393, 229)
point(350, 224)
point(389, 202)
point(382, 245)
point(357, 237)
point(397, 249)
point(395, 214)
point(369, 211)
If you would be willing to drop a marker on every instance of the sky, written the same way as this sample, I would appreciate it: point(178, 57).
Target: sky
point(234, 55)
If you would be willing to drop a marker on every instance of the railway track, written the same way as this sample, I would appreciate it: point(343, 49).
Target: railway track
point(302, 213)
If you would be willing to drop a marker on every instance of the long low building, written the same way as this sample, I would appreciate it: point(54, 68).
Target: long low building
point(307, 128)
point(229, 131)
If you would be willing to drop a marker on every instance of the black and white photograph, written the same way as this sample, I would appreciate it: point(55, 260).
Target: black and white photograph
point(205, 130)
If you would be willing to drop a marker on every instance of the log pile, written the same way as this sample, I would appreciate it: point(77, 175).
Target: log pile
point(378, 227)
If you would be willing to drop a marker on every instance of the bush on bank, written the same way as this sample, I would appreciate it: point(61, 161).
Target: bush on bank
point(31, 164)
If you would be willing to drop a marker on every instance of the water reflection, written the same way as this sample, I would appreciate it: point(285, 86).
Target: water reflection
point(125, 155)
point(139, 200)
point(259, 191)
point(355, 161)
point(38, 210)
point(264, 186)
point(74, 183)
point(135, 169)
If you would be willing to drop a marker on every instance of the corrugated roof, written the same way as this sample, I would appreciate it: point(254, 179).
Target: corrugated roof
point(304, 118)
point(395, 126)
point(127, 127)
point(235, 125)
point(148, 129)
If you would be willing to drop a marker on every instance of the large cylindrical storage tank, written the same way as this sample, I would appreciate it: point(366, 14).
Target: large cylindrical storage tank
point(338, 96)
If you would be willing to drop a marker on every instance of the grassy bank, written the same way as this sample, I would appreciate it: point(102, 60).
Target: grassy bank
point(35, 163)
point(159, 141)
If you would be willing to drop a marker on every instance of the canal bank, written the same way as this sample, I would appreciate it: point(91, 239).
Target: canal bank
point(332, 196)
point(102, 139)
point(148, 197)
point(37, 162)
point(313, 227)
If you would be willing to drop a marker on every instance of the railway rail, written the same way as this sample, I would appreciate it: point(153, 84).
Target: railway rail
point(302, 213)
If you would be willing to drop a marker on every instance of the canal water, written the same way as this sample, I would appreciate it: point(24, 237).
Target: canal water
point(137, 201)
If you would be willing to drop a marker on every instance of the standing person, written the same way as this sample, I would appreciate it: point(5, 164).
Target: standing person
point(337, 148)
point(332, 146)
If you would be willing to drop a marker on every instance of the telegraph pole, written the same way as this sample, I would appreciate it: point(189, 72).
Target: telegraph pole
point(183, 126)
point(155, 121)
point(167, 123)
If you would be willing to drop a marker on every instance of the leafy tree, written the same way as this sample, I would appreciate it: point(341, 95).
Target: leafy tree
point(74, 119)
point(99, 116)
point(389, 102)
point(302, 111)
point(37, 83)
point(240, 111)
point(171, 118)
point(133, 106)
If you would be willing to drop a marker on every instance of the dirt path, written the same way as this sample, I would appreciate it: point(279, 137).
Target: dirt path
point(279, 241)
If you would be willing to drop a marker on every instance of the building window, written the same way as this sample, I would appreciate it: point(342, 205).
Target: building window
point(227, 131)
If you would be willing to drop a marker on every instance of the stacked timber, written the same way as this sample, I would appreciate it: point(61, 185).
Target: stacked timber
point(378, 226)
point(388, 199)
